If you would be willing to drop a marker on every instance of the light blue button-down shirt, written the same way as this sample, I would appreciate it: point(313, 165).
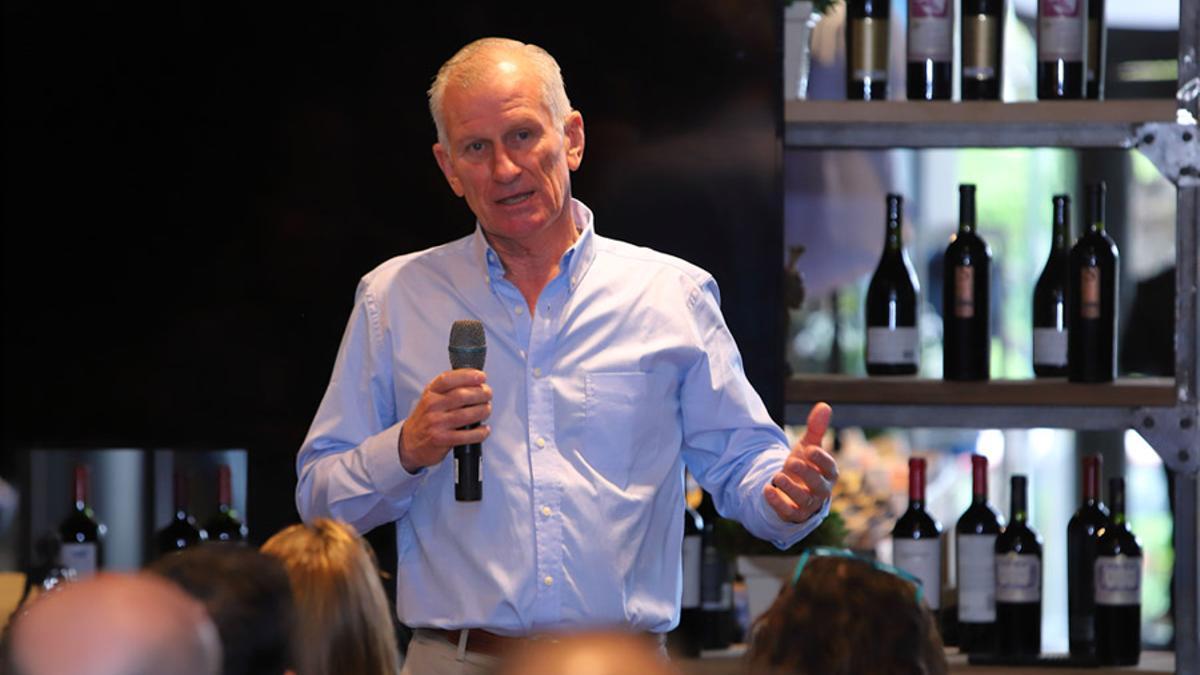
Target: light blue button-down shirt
point(625, 373)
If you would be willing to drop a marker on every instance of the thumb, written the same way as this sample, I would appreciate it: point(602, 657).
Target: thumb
point(818, 422)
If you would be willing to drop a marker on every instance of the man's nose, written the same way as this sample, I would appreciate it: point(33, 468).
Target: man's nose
point(504, 169)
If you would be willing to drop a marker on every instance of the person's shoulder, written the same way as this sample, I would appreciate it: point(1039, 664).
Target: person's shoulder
point(646, 259)
point(398, 268)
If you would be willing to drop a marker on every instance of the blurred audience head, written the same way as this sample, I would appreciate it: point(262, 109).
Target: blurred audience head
point(601, 653)
point(845, 615)
point(248, 596)
point(343, 624)
point(114, 624)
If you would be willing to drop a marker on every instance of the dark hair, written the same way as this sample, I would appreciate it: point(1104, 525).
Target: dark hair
point(844, 617)
point(249, 598)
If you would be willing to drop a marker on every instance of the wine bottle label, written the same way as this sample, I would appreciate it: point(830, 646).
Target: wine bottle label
point(1089, 292)
point(892, 345)
point(1060, 30)
point(1049, 347)
point(977, 578)
point(870, 56)
point(964, 292)
point(1093, 42)
point(691, 571)
point(1018, 578)
point(79, 557)
point(980, 46)
point(930, 30)
point(922, 558)
point(1118, 580)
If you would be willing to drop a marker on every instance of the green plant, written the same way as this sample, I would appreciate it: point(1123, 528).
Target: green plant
point(733, 539)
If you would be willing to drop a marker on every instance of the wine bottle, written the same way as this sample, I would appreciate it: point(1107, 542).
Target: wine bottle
point(181, 532)
point(716, 583)
point(1118, 577)
point(80, 531)
point(1097, 41)
point(867, 49)
point(225, 525)
point(982, 28)
point(975, 552)
point(966, 330)
point(1019, 580)
point(892, 299)
point(1092, 298)
point(917, 539)
point(1050, 297)
point(930, 49)
point(1061, 25)
point(1082, 535)
point(686, 636)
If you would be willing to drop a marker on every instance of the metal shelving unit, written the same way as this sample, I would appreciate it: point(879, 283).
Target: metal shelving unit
point(1165, 412)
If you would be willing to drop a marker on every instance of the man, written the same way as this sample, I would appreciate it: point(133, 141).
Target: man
point(608, 368)
point(116, 624)
point(249, 598)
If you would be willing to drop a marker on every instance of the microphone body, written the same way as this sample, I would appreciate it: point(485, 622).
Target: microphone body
point(468, 349)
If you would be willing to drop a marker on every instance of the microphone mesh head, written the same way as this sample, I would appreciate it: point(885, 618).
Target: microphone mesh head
point(468, 346)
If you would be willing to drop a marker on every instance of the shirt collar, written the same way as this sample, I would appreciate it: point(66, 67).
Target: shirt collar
point(575, 260)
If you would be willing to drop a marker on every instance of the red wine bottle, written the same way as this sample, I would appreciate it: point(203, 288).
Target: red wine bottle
point(917, 538)
point(892, 299)
point(1061, 26)
point(930, 49)
point(1092, 298)
point(982, 27)
point(1050, 297)
point(1083, 533)
point(716, 584)
point(1118, 577)
point(1019, 580)
point(181, 532)
point(225, 525)
point(966, 334)
point(686, 638)
point(81, 532)
point(1097, 41)
point(975, 552)
point(867, 49)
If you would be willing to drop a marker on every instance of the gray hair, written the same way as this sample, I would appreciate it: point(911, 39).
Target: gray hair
point(468, 65)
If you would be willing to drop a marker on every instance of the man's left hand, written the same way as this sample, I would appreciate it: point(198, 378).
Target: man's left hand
point(799, 490)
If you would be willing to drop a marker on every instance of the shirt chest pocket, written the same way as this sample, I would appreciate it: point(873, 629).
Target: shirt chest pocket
point(625, 415)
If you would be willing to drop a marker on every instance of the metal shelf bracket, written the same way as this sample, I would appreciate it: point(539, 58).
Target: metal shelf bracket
point(1173, 147)
point(1174, 433)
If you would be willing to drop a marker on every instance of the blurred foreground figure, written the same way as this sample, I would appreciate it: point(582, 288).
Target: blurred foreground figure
point(249, 598)
point(343, 624)
point(116, 625)
point(845, 615)
point(590, 654)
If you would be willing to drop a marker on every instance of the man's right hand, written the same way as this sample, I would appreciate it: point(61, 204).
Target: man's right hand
point(451, 401)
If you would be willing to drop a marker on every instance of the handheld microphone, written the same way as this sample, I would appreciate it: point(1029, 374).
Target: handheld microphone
point(468, 349)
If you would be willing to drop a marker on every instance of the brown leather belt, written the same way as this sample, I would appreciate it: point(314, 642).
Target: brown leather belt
point(481, 641)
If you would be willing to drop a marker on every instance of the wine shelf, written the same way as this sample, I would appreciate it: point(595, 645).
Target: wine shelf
point(1010, 404)
point(970, 124)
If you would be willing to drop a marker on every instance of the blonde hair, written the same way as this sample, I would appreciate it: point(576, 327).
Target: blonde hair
point(469, 65)
point(343, 624)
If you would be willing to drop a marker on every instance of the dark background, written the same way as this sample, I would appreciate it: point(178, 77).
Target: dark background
point(192, 192)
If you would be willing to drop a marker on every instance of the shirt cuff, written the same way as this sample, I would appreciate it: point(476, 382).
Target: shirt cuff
point(785, 534)
point(381, 458)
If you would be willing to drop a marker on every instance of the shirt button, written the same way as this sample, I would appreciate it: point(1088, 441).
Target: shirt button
point(548, 580)
point(537, 372)
point(546, 511)
point(541, 442)
point(519, 310)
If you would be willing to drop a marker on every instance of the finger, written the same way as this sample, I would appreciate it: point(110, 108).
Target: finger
point(462, 397)
point(806, 479)
point(783, 505)
point(818, 422)
point(824, 462)
point(456, 437)
point(461, 417)
point(452, 379)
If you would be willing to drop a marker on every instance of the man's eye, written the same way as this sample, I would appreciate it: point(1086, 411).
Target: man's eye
point(477, 146)
point(524, 135)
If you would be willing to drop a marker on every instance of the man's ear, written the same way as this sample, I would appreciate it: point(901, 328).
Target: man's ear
point(573, 131)
point(443, 161)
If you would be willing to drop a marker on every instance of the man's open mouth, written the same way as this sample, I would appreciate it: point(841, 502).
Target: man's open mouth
point(515, 199)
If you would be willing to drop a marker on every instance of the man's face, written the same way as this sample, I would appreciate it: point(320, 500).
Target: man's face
point(506, 156)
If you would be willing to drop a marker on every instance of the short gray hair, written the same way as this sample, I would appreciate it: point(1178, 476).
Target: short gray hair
point(467, 66)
